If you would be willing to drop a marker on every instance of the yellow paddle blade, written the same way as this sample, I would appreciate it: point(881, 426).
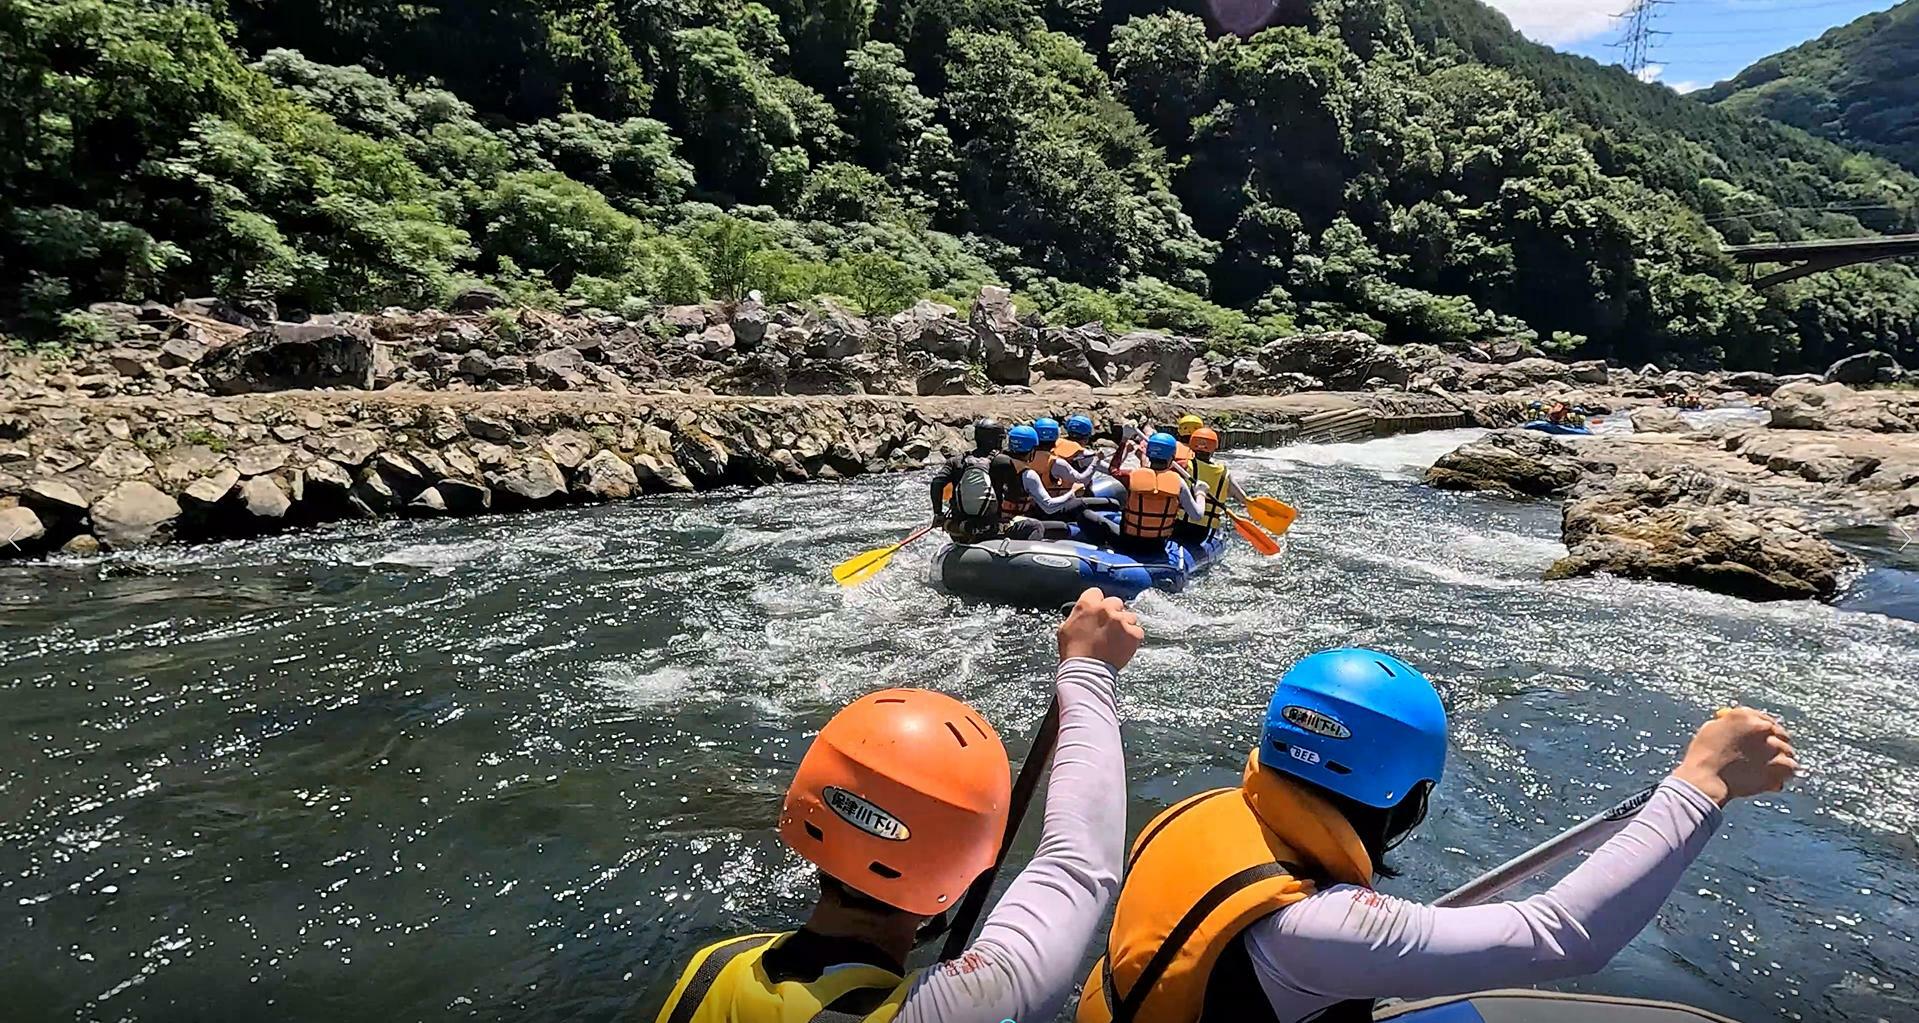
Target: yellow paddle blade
point(1272, 513)
point(859, 568)
point(1256, 536)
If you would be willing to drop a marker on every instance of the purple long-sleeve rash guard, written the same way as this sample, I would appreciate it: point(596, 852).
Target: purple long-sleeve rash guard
point(1348, 942)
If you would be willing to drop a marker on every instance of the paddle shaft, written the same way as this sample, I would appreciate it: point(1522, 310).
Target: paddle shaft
point(1583, 837)
point(966, 917)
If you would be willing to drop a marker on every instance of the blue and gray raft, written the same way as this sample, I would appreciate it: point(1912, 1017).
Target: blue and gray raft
point(1528, 1006)
point(1548, 426)
point(1050, 573)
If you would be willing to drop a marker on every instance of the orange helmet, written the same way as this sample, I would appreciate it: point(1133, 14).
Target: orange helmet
point(1204, 440)
point(902, 797)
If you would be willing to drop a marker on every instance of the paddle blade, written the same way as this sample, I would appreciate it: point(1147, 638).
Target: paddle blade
point(857, 570)
point(861, 567)
point(1261, 541)
point(1272, 513)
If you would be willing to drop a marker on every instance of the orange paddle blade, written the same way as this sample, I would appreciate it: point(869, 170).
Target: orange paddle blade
point(1259, 538)
point(1272, 513)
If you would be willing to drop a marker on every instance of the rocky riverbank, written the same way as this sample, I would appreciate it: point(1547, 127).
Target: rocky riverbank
point(1742, 510)
point(195, 422)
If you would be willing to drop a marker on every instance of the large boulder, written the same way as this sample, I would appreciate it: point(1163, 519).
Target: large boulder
point(1655, 419)
point(750, 322)
point(834, 333)
point(263, 499)
point(477, 299)
point(1751, 382)
point(293, 356)
point(1342, 358)
point(1001, 343)
point(1806, 406)
point(133, 514)
point(944, 378)
point(530, 483)
point(1515, 462)
point(561, 369)
point(606, 477)
point(933, 328)
point(54, 500)
point(1511, 349)
point(1865, 368)
point(21, 531)
point(1079, 353)
point(1731, 548)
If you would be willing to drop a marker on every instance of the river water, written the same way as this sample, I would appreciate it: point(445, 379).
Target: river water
point(521, 768)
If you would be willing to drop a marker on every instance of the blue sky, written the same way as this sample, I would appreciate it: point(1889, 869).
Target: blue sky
point(1710, 39)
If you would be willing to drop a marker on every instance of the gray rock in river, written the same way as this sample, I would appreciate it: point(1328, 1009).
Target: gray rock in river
point(1735, 549)
point(134, 514)
point(1514, 462)
point(531, 483)
point(606, 477)
point(263, 499)
point(21, 531)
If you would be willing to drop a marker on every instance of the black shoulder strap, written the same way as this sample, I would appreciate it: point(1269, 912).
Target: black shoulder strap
point(853, 1006)
point(1129, 1007)
point(709, 971)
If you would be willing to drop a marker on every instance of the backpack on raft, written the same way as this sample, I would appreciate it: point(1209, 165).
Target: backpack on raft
point(974, 496)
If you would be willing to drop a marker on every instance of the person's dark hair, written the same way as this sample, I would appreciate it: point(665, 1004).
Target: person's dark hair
point(851, 899)
point(1381, 831)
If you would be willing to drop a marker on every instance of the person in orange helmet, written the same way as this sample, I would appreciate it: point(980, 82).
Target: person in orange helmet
point(901, 803)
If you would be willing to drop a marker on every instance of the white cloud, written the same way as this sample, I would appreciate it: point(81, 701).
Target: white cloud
point(1559, 22)
point(1651, 72)
point(1685, 87)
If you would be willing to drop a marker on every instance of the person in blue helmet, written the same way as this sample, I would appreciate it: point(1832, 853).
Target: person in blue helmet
point(1156, 495)
point(1269, 885)
point(1034, 500)
point(1077, 448)
point(1055, 469)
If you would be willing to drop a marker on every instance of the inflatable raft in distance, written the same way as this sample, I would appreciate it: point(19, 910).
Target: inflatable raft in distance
point(1547, 426)
point(1050, 573)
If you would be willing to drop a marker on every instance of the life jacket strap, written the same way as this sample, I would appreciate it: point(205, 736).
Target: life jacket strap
point(709, 971)
point(1128, 1008)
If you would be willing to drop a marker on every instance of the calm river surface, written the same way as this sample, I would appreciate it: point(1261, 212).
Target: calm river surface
point(521, 768)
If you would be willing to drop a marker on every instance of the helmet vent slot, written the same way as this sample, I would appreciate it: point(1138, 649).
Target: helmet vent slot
point(1338, 768)
point(814, 831)
point(957, 737)
point(977, 727)
point(883, 870)
point(1385, 668)
point(889, 699)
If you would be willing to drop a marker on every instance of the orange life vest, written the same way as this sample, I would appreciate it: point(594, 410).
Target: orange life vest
point(1202, 872)
point(1152, 504)
point(1183, 454)
point(1014, 502)
point(1068, 449)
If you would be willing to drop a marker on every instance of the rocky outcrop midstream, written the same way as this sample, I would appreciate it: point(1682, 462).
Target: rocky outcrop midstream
point(1738, 511)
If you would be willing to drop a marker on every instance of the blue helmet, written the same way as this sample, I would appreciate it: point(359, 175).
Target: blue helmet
point(1360, 723)
point(1079, 427)
point(1047, 428)
point(1162, 446)
point(1021, 440)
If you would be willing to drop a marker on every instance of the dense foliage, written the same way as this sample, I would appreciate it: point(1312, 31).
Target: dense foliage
point(1411, 168)
point(1857, 85)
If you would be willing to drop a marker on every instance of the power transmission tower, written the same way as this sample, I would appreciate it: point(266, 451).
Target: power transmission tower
point(1637, 34)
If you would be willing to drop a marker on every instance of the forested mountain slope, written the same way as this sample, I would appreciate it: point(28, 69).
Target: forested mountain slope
point(1857, 85)
point(1416, 169)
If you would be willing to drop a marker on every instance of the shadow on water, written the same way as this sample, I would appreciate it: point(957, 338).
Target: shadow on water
point(521, 768)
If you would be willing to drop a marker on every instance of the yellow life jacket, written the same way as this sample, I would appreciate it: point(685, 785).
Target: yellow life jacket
point(1201, 873)
point(1214, 476)
point(725, 983)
